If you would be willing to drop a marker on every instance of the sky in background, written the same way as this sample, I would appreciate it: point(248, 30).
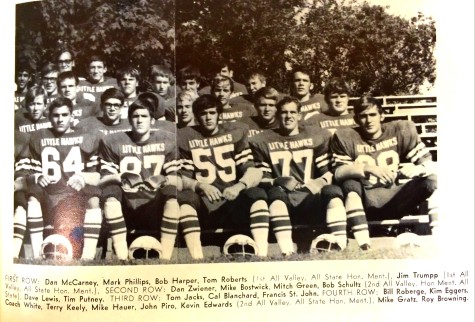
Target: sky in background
point(408, 8)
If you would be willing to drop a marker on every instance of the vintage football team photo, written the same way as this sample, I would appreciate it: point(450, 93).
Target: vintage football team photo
point(180, 131)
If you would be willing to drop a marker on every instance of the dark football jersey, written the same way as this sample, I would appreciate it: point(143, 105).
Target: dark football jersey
point(315, 105)
point(19, 100)
point(237, 112)
point(24, 123)
point(61, 156)
point(330, 122)
point(85, 108)
point(220, 159)
point(256, 127)
point(304, 156)
point(98, 88)
point(157, 156)
point(398, 144)
point(95, 124)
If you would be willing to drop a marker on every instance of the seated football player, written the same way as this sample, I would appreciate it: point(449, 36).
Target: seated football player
point(221, 88)
point(135, 170)
point(337, 95)
point(184, 109)
point(370, 163)
point(63, 182)
point(295, 162)
point(265, 104)
point(302, 87)
point(224, 194)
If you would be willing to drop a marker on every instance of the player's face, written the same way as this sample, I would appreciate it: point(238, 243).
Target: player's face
point(338, 102)
point(68, 88)
point(141, 121)
point(97, 71)
point(61, 119)
point(184, 110)
point(37, 107)
point(112, 109)
point(370, 121)
point(49, 83)
point(160, 85)
point(223, 92)
point(254, 84)
point(289, 118)
point(22, 80)
point(65, 62)
point(225, 71)
point(266, 109)
point(190, 85)
point(208, 120)
point(128, 84)
point(302, 84)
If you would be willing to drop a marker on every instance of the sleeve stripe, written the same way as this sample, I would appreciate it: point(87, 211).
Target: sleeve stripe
point(109, 166)
point(244, 156)
point(420, 155)
point(323, 163)
point(243, 153)
point(244, 160)
point(322, 157)
point(415, 150)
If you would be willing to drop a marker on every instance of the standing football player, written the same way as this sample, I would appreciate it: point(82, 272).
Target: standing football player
point(189, 79)
point(66, 60)
point(145, 203)
point(23, 80)
point(163, 83)
point(49, 79)
point(217, 158)
point(295, 162)
point(221, 88)
point(265, 104)
point(369, 161)
point(63, 183)
point(128, 79)
point(184, 109)
point(68, 88)
point(302, 88)
point(337, 96)
point(96, 82)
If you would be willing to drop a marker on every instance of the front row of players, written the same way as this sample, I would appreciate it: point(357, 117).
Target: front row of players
point(221, 175)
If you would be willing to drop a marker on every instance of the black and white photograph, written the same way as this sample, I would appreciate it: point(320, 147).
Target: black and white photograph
point(176, 156)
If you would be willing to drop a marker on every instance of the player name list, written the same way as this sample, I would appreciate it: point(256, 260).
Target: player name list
point(233, 290)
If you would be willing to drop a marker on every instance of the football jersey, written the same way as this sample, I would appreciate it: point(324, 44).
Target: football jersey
point(399, 143)
point(255, 127)
point(23, 123)
point(304, 156)
point(239, 89)
point(85, 108)
point(330, 122)
point(220, 159)
point(61, 156)
point(19, 100)
point(96, 89)
point(157, 156)
point(95, 124)
point(237, 112)
point(315, 105)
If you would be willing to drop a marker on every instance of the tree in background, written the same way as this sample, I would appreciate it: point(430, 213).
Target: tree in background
point(139, 32)
point(375, 51)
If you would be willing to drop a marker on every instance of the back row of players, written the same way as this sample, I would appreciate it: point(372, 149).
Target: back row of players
point(250, 159)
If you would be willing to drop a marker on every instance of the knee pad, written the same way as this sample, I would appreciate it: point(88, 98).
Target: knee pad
point(188, 197)
point(352, 186)
point(169, 192)
point(276, 193)
point(330, 192)
point(430, 184)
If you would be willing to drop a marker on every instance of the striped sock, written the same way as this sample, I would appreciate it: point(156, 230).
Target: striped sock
point(282, 227)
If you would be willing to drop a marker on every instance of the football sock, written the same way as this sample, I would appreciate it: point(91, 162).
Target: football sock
point(19, 228)
point(191, 231)
point(35, 224)
point(357, 218)
point(118, 230)
point(169, 227)
point(433, 213)
point(336, 221)
point(92, 227)
point(282, 227)
point(259, 215)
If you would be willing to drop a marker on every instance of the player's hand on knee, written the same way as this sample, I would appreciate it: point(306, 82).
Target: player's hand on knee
point(288, 183)
point(410, 170)
point(211, 192)
point(76, 182)
point(384, 174)
point(231, 193)
point(44, 181)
